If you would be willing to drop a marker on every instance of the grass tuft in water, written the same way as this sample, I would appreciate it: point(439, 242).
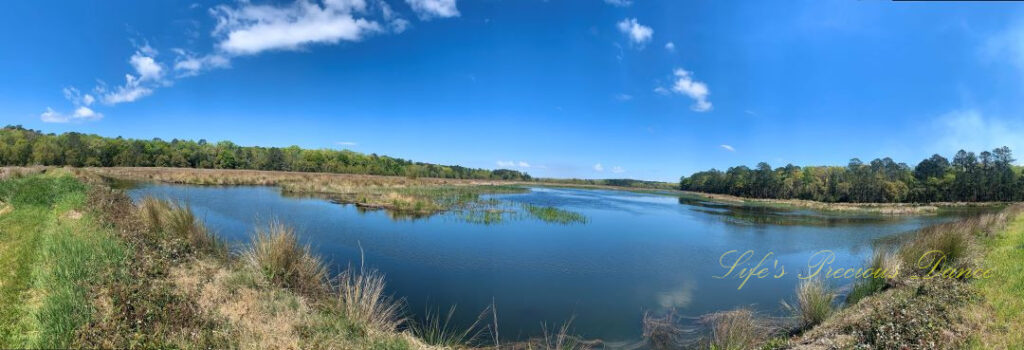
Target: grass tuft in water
point(554, 215)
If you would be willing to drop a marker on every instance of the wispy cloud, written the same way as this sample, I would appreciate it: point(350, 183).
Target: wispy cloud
point(623, 97)
point(684, 84)
point(618, 170)
point(428, 9)
point(245, 28)
point(598, 167)
point(728, 148)
point(973, 131)
point(80, 114)
point(619, 3)
point(513, 164)
point(345, 143)
point(670, 46)
point(637, 33)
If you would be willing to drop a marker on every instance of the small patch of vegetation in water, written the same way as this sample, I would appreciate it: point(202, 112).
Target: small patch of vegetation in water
point(554, 215)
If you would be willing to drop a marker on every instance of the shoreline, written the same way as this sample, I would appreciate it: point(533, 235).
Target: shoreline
point(391, 192)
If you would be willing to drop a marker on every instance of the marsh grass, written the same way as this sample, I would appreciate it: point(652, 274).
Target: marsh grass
point(407, 197)
point(739, 329)
point(275, 252)
point(561, 338)
point(439, 330)
point(887, 265)
point(814, 302)
point(362, 299)
point(171, 220)
point(554, 215)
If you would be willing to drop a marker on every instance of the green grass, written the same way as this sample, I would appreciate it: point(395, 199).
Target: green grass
point(555, 215)
point(58, 257)
point(1003, 294)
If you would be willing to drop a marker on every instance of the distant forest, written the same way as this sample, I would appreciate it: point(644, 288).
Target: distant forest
point(20, 146)
point(988, 176)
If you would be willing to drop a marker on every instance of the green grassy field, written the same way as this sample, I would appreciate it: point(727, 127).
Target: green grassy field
point(58, 254)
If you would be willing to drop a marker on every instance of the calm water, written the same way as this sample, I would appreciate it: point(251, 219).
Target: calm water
point(637, 252)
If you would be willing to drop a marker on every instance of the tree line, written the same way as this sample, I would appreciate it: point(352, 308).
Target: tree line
point(969, 177)
point(21, 147)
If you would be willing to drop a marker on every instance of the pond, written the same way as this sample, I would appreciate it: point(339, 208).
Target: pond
point(634, 252)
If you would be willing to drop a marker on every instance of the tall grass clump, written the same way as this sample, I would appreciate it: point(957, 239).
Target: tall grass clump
point(440, 331)
point(178, 221)
point(737, 329)
point(560, 339)
point(275, 252)
point(362, 299)
point(884, 272)
point(813, 302)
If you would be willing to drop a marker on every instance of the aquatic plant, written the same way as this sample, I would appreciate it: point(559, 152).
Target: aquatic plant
point(554, 215)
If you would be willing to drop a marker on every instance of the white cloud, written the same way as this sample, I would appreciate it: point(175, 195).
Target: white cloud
point(428, 9)
point(132, 90)
point(251, 29)
point(698, 91)
point(146, 66)
point(670, 46)
point(623, 97)
point(638, 34)
point(661, 91)
point(972, 131)
point(187, 64)
point(513, 164)
point(618, 170)
point(728, 148)
point(85, 113)
point(81, 114)
point(51, 116)
point(619, 3)
point(77, 98)
point(345, 143)
point(598, 167)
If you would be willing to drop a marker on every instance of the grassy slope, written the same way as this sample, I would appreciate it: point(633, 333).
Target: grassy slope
point(58, 256)
point(85, 273)
point(1003, 295)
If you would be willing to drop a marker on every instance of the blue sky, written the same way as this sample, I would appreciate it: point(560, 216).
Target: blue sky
point(595, 89)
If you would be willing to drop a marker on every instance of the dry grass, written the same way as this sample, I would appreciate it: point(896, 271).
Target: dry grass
point(361, 298)
point(401, 195)
point(813, 302)
point(739, 329)
point(275, 252)
point(873, 208)
point(177, 221)
point(936, 313)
